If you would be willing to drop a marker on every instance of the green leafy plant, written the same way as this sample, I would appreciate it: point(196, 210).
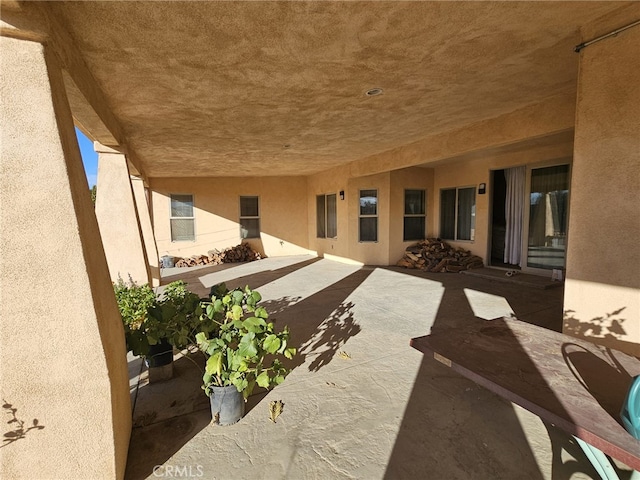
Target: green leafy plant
point(148, 320)
point(242, 347)
point(133, 302)
point(175, 317)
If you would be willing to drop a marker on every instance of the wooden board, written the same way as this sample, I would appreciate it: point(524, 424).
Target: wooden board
point(576, 385)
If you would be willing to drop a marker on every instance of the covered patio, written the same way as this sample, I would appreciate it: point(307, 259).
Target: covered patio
point(380, 411)
point(330, 137)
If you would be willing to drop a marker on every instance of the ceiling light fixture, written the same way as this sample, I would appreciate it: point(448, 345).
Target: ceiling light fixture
point(374, 92)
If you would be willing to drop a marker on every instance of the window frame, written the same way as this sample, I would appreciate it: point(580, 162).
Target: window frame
point(249, 217)
point(325, 217)
point(422, 215)
point(472, 224)
point(192, 217)
point(362, 216)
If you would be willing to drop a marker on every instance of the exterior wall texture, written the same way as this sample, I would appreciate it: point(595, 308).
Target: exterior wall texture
point(118, 221)
point(407, 178)
point(148, 239)
point(282, 209)
point(468, 170)
point(331, 182)
point(602, 292)
point(369, 253)
point(472, 172)
point(62, 353)
point(217, 213)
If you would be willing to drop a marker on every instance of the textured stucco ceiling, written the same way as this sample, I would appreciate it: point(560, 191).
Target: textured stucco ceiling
point(219, 88)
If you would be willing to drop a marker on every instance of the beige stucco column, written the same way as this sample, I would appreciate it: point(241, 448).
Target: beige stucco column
point(602, 294)
point(118, 218)
point(142, 208)
point(62, 352)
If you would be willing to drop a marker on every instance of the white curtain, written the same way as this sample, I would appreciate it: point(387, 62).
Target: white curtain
point(514, 211)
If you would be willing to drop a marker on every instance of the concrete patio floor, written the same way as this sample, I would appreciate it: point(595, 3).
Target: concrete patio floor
point(360, 402)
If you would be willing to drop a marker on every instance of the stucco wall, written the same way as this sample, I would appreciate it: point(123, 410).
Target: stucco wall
point(62, 353)
point(284, 217)
point(148, 239)
point(407, 178)
point(602, 293)
point(390, 186)
point(118, 220)
point(282, 208)
point(473, 171)
point(330, 182)
point(369, 253)
point(469, 170)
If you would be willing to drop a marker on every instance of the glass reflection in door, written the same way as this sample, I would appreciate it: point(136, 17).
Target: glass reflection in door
point(548, 209)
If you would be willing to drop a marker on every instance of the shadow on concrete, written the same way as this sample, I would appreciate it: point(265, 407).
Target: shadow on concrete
point(451, 427)
point(562, 469)
point(275, 307)
point(331, 335)
point(541, 307)
point(155, 444)
point(475, 443)
point(166, 415)
point(255, 280)
point(321, 323)
point(169, 414)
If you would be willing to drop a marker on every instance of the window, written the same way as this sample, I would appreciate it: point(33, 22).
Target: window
point(368, 218)
point(326, 216)
point(182, 219)
point(414, 215)
point(458, 213)
point(249, 217)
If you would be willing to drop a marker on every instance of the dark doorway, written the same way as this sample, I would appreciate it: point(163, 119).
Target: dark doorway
point(498, 219)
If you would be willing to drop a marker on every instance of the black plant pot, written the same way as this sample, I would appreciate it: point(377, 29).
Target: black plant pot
point(160, 354)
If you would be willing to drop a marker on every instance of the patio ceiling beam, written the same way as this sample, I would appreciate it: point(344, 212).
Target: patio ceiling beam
point(35, 21)
point(551, 117)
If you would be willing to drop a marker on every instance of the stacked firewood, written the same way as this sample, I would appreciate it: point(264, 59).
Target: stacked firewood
point(239, 253)
point(435, 255)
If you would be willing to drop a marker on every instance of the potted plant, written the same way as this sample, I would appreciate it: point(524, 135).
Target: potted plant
point(173, 319)
point(133, 302)
point(242, 347)
point(153, 326)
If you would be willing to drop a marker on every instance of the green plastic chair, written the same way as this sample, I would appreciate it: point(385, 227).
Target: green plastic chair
point(630, 412)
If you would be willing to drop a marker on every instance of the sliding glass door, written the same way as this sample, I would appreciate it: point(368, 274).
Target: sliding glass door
point(548, 212)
